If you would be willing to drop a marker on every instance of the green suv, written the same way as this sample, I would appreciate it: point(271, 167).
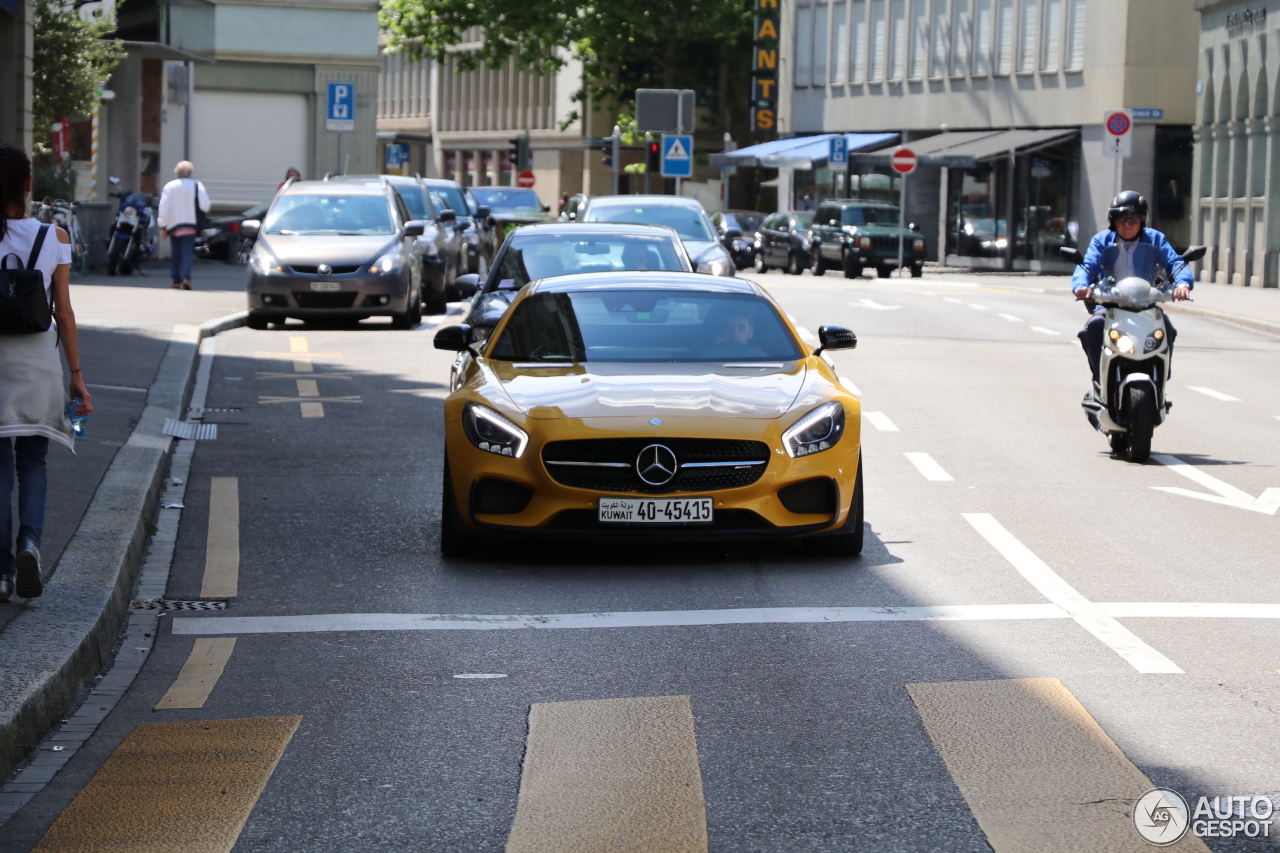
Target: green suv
point(853, 234)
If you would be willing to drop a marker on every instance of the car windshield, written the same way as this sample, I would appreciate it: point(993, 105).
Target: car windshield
point(644, 326)
point(330, 214)
point(803, 221)
point(870, 216)
point(531, 257)
point(416, 200)
point(450, 198)
point(746, 222)
point(502, 198)
point(690, 222)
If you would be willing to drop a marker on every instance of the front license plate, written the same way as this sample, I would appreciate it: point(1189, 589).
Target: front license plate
point(325, 285)
point(655, 510)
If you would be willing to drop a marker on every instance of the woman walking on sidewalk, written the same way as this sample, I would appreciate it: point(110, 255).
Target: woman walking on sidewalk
point(33, 402)
point(183, 202)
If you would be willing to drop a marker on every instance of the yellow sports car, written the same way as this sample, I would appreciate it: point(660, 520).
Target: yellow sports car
point(649, 405)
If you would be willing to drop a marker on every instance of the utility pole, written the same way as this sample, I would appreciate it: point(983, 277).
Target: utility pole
point(616, 152)
point(648, 143)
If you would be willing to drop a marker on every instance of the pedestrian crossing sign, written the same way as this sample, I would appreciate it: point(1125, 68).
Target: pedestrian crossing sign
point(677, 155)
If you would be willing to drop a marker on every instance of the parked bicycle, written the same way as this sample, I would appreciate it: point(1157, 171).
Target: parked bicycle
point(62, 213)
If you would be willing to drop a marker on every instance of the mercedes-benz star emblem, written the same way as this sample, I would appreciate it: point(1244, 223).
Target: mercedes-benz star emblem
point(324, 269)
point(656, 465)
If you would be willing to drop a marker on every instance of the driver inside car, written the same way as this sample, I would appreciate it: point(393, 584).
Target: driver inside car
point(1127, 220)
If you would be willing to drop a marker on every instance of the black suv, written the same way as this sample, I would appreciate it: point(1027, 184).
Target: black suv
point(853, 234)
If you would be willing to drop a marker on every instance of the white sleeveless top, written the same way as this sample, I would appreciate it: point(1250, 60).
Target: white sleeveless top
point(19, 239)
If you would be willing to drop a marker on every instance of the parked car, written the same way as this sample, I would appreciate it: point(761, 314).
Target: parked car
point(742, 247)
point(685, 215)
point(782, 242)
point(335, 250)
point(473, 222)
point(443, 249)
point(510, 206)
point(221, 238)
point(857, 234)
point(534, 252)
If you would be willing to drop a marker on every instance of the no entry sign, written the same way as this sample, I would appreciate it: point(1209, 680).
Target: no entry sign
point(903, 161)
point(525, 179)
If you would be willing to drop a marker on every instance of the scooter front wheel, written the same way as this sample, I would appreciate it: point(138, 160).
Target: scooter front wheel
point(1142, 423)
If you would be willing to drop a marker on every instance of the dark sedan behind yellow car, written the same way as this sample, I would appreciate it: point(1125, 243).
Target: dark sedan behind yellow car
point(632, 405)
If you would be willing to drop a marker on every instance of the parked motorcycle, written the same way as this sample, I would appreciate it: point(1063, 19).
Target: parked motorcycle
point(1136, 354)
point(130, 242)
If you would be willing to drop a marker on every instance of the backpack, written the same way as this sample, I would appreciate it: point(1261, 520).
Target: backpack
point(24, 308)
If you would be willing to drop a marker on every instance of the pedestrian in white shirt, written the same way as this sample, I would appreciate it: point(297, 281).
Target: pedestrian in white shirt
point(183, 203)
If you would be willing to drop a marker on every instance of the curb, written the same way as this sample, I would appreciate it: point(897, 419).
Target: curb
point(1236, 319)
point(52, 650)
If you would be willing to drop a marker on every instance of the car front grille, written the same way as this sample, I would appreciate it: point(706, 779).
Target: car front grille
point(339, 299)
point(608, 464)
point(888, 244)
point(342, 269)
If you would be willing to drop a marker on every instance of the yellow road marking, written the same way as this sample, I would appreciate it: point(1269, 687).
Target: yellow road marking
point(1038, 772)
point(294, 375)
point(308, 388)
point(264, 401)
point(199, 674)
point(611, 774)
point(313, 410)
point(298, 345)
point(222, 548)
point(171, 787)
point(264, 354)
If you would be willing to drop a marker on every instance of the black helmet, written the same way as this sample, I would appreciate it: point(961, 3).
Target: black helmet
point(1127, 202)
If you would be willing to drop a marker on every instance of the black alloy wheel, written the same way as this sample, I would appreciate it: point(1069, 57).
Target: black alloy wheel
point(793, 263)
point(758, 264)
point(455, 541)
point(818, 266)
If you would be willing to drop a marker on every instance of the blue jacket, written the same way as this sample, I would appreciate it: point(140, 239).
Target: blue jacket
point(1091, 270)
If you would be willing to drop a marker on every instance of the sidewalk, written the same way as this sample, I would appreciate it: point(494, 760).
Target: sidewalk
point(138, 342)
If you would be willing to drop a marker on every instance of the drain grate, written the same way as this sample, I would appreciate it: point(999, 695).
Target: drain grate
point(168, 604)
point(195, 412)
point(181, 429)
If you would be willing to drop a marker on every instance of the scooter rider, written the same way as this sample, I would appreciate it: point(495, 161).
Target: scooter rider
point(1127, 219)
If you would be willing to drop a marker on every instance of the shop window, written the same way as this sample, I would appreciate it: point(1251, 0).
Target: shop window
point(1172, 208)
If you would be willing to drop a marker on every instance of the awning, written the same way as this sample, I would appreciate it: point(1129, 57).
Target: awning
point(798, 152)
point(999, 144)
point(963, 149)
point(156, 50)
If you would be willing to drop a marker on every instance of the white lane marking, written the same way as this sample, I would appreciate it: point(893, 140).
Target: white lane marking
point(480, 675)
point(331, 622)
point(1087, 615)
point(954, 300)
point(1011, 318)
point(1189, 610)
point(931, 470)
point(117, 388)
point(850, 387)
point(1042, 330)
point(1224, 493)
point(875, 306)
point(978, 307)
point(1217, 395)
point(880, 421)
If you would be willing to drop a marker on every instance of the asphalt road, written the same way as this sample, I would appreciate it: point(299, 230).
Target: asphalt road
point(1028, 720)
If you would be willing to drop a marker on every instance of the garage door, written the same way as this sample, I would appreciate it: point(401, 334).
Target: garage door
point(242, 143)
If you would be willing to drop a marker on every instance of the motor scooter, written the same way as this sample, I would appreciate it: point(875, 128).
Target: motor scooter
point(130, 242)
point(1129, 401)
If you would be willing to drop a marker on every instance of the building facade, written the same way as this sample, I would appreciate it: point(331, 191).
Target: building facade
point(1236, 179)
point(16, 53)
point(1018, 89)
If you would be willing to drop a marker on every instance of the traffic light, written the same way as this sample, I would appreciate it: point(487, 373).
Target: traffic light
point(607, 150)
point(520, 153)
point(652, 155)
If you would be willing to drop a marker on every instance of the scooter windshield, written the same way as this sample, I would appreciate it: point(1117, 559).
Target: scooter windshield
point(1132, 260)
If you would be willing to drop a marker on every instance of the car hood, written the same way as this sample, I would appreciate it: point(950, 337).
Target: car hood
point(879, 230)
point(619, 389)
point(698, 248)
point(326, 248)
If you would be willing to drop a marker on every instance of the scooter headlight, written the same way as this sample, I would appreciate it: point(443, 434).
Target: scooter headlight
point(492, 432)
point(1125, 344)
point(131, 214)
point(815, 432)
point(1153, 341)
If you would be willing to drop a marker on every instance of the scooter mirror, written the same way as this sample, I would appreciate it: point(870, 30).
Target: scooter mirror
point(1072, 255)
point(1194, 253)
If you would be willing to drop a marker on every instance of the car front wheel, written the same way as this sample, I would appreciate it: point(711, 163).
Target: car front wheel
point(455, 541)
point(848, 542)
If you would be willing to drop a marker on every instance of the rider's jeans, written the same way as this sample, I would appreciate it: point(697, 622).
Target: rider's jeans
point(1094, 328)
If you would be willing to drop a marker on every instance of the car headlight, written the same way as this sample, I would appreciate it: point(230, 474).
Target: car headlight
point(864, 242)
point(919, 245)
point(714, 267)
point(209, 232)
point(262, 262)
point(490, 431)
point(815, 432)
point(387, 264)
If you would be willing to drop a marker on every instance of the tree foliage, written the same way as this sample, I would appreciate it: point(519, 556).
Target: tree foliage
point(623, 44)
point(72, 59)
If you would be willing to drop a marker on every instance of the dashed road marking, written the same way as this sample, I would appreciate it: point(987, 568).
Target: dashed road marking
point(953, 300)
point(611, 774)
point(1088, 615)
point(301, 365)
point(1042, 330)
point(875, 306)
point(1011, 318)
point(174, 786)
point(1217, 395)
point(308, 388)
point(222, 547)
point(975, 306)
point(931, 470)
point(312, 410)
point(1028, 744)
point(199, 675)
point(880, 421)
point(850, 387)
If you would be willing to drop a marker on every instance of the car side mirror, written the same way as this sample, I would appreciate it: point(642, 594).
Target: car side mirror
point(1072, 255)
point(911, 226)
point(448, 215)
point(835, 337)
point(467, 285)
point(454, 338)
point(546, 208)
point(414, 228)
point(1194, 253)
point(833, 222)
point(251, 227)
point(573, 217)
point(732, 234)
point(482, 212)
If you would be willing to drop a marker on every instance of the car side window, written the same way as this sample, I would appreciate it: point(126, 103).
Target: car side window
point(783, 224)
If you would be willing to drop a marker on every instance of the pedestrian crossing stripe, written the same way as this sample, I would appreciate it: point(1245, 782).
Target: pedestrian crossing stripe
point(676, 151)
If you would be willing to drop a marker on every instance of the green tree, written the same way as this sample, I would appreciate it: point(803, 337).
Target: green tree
point(72, 59)
point(624, 44)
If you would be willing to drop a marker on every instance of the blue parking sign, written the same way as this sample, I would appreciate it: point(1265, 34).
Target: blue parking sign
point(340, 107)
point(677, 155)
point(838, 151)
